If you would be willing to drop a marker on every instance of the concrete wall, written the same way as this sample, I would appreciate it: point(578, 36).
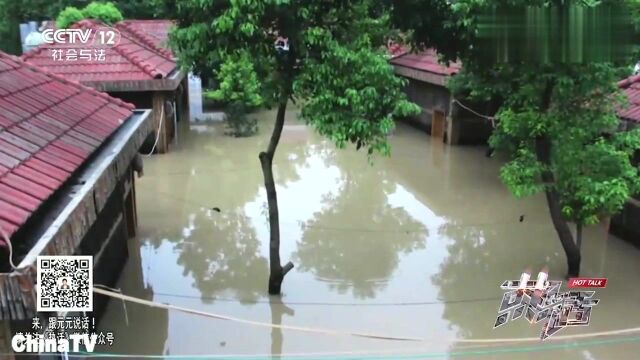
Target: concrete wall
point(429, 97)
point(155, 100)
point(626, 225)
point(470, 128)
point(107, 240)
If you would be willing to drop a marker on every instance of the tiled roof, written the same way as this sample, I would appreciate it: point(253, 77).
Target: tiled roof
point(394, 50)
point(631, 88)
point(154, 33)
point(132, 59)
point(425, 61)
point(49, 127)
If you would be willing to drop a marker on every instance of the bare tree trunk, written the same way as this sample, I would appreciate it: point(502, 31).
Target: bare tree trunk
point(543, 151)
point(579, 235)
point(276, 270)
point(543, 154)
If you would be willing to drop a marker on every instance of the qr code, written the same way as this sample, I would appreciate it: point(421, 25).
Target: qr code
point(65, 283)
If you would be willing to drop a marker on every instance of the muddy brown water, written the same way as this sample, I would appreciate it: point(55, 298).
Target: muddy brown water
point(414, 245)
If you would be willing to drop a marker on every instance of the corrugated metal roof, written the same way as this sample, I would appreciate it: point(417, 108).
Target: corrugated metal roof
point(133, 58)
point(425, 61)
point(49, 127)
point(154, 33)
point(631, 88)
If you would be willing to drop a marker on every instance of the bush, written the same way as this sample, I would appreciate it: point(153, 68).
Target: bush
point(69, 16)
point(105, 12)
point(238, 123)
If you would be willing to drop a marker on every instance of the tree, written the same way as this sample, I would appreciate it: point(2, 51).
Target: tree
point(241, 89)
point(69, 16)
point(328, 57)
point(557, 122)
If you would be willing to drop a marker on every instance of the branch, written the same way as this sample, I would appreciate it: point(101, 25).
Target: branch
point(287, 268)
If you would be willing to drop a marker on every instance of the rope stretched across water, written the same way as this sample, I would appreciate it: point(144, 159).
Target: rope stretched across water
point(153, 304)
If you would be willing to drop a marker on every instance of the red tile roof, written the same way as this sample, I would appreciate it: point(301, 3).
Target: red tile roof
point(396, 50)
point(132, 59)
point(154, 33)
point(49, 127)
point(425, 61)
point(631, 88)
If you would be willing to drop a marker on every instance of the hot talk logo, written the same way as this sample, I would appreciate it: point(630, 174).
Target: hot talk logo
point(541, 301)
point(103, 36)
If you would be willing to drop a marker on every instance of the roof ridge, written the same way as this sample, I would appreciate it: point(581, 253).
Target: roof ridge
point(147, 20)
point(144, 38)
point(142, 64)
point(65, 80)
point(92, 25)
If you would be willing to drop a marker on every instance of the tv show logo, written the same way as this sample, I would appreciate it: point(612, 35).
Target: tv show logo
point(103, 36)
point(542, 300)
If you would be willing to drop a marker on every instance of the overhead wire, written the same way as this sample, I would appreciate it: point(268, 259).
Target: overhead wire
point(487, 117)
point(324, 331)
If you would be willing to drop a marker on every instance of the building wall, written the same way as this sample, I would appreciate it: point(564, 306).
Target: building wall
point(626, 224)
point(155, 100)
point(141, 99)
point(429, 97)
point(107, 241)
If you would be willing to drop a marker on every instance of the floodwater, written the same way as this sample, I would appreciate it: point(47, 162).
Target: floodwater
point(414, 245)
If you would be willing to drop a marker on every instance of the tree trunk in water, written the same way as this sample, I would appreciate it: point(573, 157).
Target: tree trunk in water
point(543, 151)
point(579, 235)
point(276, 270)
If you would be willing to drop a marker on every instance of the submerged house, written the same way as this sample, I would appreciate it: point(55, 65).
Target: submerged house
point(68, 154)
point(134, 69)
point(442, 116)
point(627, 224)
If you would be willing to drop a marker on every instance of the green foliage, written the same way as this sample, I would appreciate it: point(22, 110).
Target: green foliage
point(68, 17)
point(238, 82)
point(14, 12)
point(238, 123)
point(590, 160)
point(440, 24)
point(9, 31)
point(108, 13)
point(334, 67)
point(239, 87)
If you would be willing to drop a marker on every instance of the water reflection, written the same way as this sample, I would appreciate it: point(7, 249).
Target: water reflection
point(129, 318)
point(415, 245)
point(358, 253)
point(222, 253)
point(278, 310)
